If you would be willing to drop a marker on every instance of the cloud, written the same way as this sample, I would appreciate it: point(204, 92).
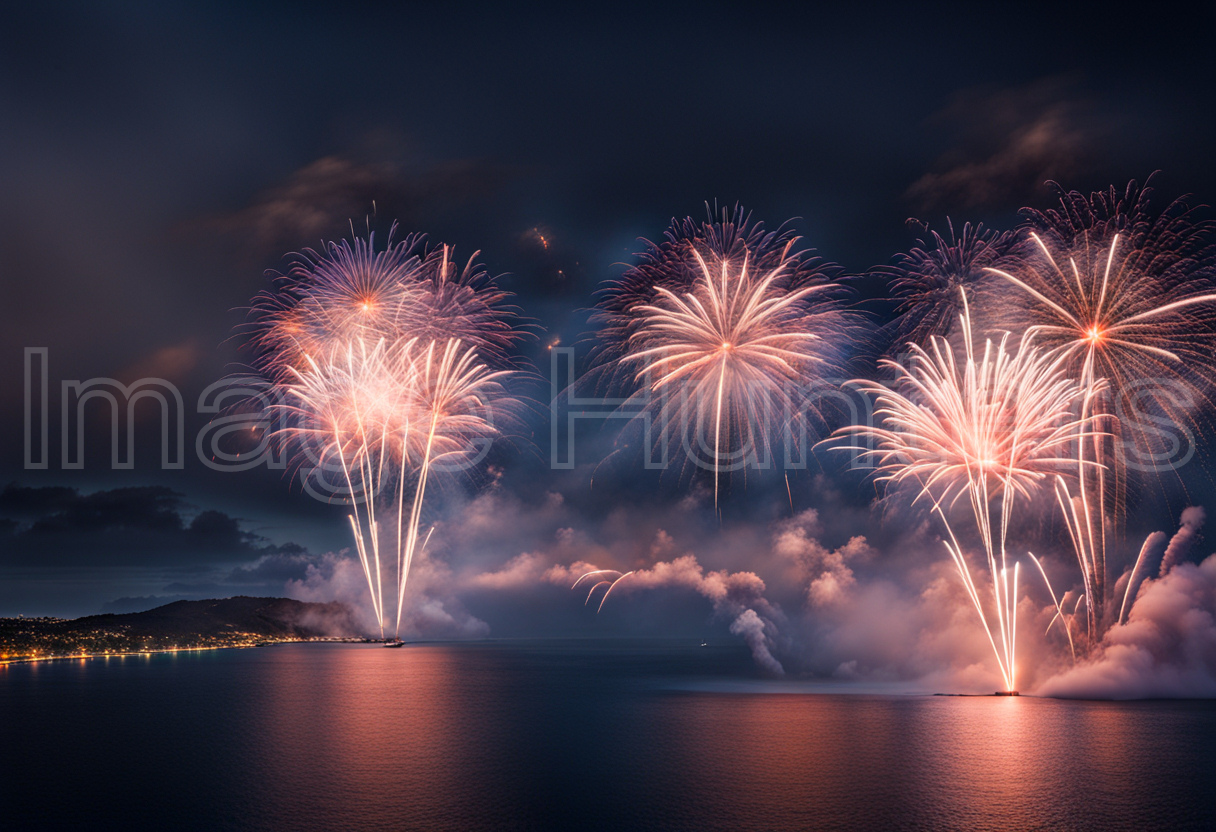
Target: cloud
point(321, 200)
point(918, 628)
point(828, 571)
point(524, 570)
point(752, 628)
point(335, 577)
point(288, 562)
point(1183, 539)
point(1006, 143)
point(1167, 648)
point(431, 609)
point(795, 601)
point(476, 559)
point(735, 595)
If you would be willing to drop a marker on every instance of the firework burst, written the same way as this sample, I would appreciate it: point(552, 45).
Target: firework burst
point(927, 280)
point(989, 430)
point(449, 301)
point(381, 364)
point(1127, 297)
point(723, 331)
point(346, 292)
point(351, 290)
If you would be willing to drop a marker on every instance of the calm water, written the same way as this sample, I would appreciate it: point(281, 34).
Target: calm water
point(568, 736)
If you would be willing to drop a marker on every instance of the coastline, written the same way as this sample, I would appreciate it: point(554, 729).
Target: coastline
point(198, 649)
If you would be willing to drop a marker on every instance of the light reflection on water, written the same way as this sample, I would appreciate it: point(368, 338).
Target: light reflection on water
point(564, 736)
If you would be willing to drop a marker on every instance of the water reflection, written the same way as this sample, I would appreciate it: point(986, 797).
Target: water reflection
point(560, 737)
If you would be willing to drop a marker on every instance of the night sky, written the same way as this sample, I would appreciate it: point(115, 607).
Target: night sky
point(155, 161)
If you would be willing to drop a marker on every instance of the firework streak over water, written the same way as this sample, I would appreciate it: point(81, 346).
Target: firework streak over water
point(381, 363)
point(391, 366)
point(987, 428)
point(1127, 298)
point(723, 330)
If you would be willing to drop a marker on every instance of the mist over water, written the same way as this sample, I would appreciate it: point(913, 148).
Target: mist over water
point(566, 735)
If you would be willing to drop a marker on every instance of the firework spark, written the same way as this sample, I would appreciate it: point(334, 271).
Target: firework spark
point(989, 429)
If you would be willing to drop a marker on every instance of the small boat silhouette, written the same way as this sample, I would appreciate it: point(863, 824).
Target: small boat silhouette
point(394, 644)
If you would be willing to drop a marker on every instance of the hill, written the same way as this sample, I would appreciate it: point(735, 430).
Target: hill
point(226, 622)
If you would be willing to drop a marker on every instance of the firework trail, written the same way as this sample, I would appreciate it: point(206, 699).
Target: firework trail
point(988, 429)
point(452, 405)
point(722, 330)
point(607, 577)
point(381, 360)
point(1128, 298)
point(345, 409)
point(927, 280)
point(1066, 620)
point(1152, 542)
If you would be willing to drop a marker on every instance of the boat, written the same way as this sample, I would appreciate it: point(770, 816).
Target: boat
point(394, 644)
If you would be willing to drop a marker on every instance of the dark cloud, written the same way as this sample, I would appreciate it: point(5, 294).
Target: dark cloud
point(290, 562)
point(138, 526)
point(1006, 142)
point(17, 501)
point(322, 199)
